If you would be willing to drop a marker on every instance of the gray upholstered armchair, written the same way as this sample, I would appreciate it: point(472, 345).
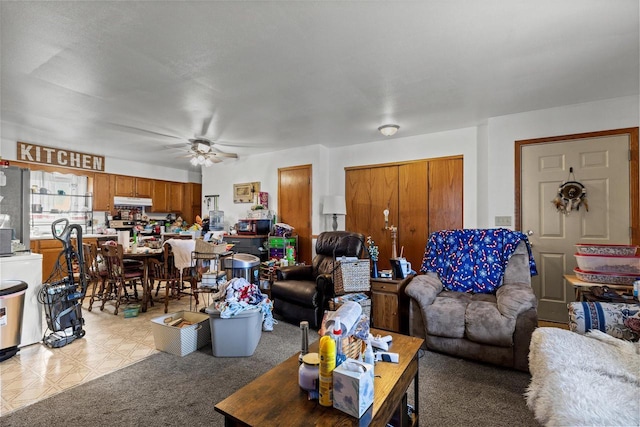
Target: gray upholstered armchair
point(493, 327)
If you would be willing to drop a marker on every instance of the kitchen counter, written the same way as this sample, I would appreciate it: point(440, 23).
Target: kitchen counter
point(87, 236)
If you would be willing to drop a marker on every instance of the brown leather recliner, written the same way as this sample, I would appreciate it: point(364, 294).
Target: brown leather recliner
point(302, 292)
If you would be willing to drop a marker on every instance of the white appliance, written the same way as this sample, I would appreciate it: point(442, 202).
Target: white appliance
point(27, 268)
point(132, 201)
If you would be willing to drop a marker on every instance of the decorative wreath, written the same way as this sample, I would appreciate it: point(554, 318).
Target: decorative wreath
point(571, 195)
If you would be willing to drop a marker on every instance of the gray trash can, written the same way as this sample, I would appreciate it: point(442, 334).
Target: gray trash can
point(242, 265)
point(11, 310)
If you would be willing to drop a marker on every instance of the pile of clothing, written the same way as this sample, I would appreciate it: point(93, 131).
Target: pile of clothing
point(239, 296)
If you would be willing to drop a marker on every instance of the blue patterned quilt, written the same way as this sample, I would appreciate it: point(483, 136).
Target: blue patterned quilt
point(472, 260)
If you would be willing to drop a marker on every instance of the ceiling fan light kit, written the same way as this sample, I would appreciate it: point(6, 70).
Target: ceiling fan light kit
point(388, 130)
point(203, 153)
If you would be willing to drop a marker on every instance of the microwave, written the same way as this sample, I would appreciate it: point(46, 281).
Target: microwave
point(253, 226)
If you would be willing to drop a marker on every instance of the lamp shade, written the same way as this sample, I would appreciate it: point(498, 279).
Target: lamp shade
point(334, 205)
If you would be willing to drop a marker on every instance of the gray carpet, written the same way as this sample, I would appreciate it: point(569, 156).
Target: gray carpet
point(166, 390)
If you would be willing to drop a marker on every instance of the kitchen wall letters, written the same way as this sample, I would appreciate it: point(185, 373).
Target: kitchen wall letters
point(59, 157)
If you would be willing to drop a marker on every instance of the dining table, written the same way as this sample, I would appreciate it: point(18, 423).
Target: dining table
point(144, 254)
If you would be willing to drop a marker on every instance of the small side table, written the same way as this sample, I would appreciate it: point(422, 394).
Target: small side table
point(582, 287)
point(390, 305)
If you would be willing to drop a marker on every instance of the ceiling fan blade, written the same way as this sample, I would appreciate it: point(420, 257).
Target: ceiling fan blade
point(140, 130)
point(221, 154)
point(181, 145)
point(205, 125)
point(230, 144)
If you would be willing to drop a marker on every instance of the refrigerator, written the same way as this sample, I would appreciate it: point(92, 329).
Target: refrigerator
point(14, 206)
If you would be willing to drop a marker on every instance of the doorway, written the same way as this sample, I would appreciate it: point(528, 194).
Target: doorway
point(606, 164)
point(294, 206)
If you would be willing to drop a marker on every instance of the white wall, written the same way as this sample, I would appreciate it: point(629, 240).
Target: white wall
point(219, 179)
point(8, 150)
point(488, 152)
point(503, 131)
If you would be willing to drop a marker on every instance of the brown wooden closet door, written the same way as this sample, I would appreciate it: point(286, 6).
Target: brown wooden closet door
point(445, 194)
point(358, 199)
point(384, 195)
point(413, 229)
point(294, 206)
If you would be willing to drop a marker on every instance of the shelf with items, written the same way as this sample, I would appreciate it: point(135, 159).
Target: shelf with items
point(49, 207)
point(277, 246)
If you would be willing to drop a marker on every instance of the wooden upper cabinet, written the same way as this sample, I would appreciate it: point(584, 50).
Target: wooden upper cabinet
point(129, 186)
point(176, 197)
point(124, 186)
point(192, 203)
point(144, 187)
point(102, 194)
point(159, 197)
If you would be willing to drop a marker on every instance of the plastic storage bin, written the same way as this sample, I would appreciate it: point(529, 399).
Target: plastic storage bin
point(609, 264)
point(237, 336)
point(181, 340)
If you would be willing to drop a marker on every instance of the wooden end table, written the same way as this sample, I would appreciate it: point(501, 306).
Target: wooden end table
point(390, 305)
point(275, 399)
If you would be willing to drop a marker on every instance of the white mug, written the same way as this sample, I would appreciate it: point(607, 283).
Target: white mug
point(405, 266)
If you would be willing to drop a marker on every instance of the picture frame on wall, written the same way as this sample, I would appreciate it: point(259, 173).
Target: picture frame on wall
point(245, 192)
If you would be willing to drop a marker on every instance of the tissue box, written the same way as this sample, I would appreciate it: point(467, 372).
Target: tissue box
point(353, 391)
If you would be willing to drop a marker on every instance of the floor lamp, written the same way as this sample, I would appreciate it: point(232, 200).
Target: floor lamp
point(334, 205)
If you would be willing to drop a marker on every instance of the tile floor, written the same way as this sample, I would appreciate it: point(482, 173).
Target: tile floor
point(111, 342)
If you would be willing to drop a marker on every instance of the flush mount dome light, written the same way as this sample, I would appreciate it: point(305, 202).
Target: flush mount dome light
point(388, 130)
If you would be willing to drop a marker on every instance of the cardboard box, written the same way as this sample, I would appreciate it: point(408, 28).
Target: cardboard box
point(352, 389)
point(181, 340)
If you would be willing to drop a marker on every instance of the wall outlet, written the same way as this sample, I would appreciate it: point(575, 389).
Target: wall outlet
point(503, 220)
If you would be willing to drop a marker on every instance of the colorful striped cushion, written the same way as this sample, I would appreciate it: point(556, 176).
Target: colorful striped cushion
point(619, 320)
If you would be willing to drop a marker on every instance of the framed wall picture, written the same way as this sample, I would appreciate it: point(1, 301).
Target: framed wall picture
point(245, 193)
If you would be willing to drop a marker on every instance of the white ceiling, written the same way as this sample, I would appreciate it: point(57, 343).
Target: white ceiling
point(115, 78)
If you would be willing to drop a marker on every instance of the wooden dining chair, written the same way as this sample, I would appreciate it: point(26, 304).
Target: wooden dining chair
point(119, 276)
point(96, 276)
point(165, 271)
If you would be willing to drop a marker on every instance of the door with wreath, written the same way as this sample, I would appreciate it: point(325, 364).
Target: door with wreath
point(559, 208)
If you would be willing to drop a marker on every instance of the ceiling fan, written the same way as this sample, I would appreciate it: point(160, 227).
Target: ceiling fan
point(203, 153)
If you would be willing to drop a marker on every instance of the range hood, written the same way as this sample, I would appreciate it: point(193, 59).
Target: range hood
point(131, 201)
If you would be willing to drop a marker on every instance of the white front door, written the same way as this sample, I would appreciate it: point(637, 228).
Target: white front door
point(599, 163)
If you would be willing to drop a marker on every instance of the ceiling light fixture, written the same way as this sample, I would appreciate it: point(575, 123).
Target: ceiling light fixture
point(388, 130)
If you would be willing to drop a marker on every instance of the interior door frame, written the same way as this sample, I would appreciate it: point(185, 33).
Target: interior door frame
point(634, 172)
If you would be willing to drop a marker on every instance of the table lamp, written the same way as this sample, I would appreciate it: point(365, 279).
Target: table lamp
point(334, 205)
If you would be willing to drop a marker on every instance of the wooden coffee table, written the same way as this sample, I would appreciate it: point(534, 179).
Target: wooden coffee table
point(275, 399)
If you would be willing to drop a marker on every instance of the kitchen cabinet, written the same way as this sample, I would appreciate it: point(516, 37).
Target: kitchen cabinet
point(102, 193)
point(176, 197)
point(192, 202)
point(129, 186)
point(50, 249)
point(159, 197)
point(390, 305)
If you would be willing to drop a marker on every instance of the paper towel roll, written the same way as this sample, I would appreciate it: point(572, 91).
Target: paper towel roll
point(349, 313)
point(123, 238)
